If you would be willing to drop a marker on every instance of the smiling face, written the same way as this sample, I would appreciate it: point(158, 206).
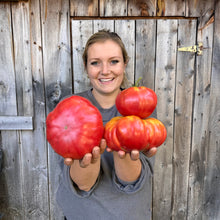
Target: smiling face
point(105, 67)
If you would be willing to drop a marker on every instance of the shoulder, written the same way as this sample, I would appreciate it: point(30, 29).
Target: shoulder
point(85, 94)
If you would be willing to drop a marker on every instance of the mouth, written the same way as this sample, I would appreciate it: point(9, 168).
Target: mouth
point(106, 81)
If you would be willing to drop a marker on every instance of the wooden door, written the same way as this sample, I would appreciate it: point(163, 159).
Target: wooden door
point(153, 49)
point(176, 76)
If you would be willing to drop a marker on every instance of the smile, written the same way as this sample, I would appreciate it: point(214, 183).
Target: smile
point(106, 80)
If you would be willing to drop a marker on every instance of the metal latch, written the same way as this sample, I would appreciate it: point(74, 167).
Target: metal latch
point(193, 49)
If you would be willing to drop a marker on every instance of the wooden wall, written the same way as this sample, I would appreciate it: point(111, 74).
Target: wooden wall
point(41, 43)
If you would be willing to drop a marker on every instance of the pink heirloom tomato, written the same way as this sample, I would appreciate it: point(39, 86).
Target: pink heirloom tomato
point(131, 132)
point(74, 127)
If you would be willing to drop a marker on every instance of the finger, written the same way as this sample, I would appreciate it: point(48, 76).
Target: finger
point(102, 146)
point(68, 161)
point(95, 154)
point(151, 152)
point(108, 149)
point(135, 154)
point(121, 154)
point(86, 160)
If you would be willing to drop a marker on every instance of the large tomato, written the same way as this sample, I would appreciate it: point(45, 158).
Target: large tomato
point(74, 127)
point(157, 132)
point(131, 132)
point(110, 134)
point(140, 101)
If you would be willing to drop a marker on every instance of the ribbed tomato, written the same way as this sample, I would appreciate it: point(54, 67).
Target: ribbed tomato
point(140, 101)
point(157, 132)
point(74, 127)
point(110, 134)
point(131, 132)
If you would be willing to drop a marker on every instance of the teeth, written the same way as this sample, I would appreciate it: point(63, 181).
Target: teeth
point(105, 80)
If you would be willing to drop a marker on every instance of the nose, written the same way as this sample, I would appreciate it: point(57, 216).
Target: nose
point(105, 68)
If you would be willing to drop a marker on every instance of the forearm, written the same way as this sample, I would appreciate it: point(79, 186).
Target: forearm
point(127, 169)
point(86, 177)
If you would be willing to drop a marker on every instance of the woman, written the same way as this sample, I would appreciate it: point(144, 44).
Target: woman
point(106, 185)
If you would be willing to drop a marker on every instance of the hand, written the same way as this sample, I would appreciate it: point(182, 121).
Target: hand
point(134, 154)
point(127, 165)
point(89, 157)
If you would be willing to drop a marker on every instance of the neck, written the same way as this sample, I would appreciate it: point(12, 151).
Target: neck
point(105, 100)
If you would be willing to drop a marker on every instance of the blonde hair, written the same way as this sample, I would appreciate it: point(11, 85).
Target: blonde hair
point(102, 36)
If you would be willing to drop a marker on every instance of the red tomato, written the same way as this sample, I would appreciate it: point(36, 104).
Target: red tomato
point(74, 127)
point(110, 136)
point(139, 101)
point(156, 132)
point(131, 132)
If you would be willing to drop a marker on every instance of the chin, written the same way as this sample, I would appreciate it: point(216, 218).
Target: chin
point(111, 91)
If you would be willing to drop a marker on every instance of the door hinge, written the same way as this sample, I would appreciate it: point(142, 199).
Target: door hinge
point(193, 49)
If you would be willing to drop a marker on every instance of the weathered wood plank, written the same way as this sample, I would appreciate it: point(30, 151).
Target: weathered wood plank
point(81, 31)
point(84, 8)
point(126, 30)
point(198, 8)
point(11, 194)
point(103, 24)
point(109, 8)
point(21, 25)
point(11, 198)
point(211, 201)
point(57, 76)
point(30, 169)
point(170, 8)
point(200, 136)
point(165, 90)
point(33, 150)
point(141, 8)
point(22, 53)
point(57, 53)
point(7, 75)
point(16, 123)
point(183, 117)
point(145, 52)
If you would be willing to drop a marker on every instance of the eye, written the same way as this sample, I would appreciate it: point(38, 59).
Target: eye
point(114, 61)
point(94, 63)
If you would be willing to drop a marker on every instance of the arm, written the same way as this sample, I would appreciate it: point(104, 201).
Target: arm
point(85, 172)
point(128, 165)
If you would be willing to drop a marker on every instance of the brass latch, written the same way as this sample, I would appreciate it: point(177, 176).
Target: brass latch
point(193, 49)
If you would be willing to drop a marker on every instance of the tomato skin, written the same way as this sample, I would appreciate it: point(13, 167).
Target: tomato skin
point(133, 133)
point(74, 127)
point(110, 134)
point(140, 101)
point(156, 131)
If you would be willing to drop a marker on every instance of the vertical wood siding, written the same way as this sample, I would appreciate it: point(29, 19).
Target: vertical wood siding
point(165, 89)
point(10, 190)
point(41, 45)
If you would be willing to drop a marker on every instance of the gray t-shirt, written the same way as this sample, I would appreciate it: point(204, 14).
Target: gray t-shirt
point(110, 198)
